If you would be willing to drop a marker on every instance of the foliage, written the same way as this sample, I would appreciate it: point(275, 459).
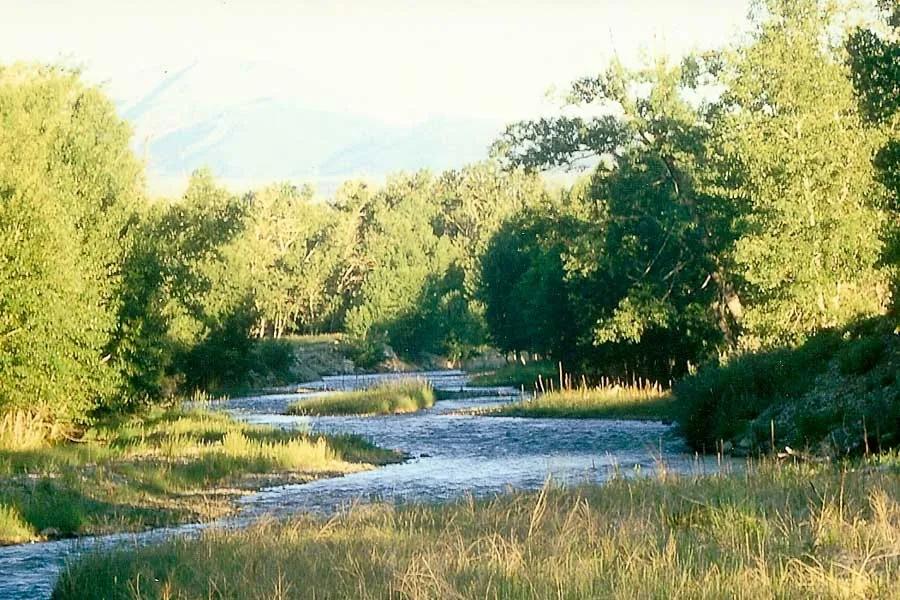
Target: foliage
point(825, 394)
point(875, 64)
point(811, 240)
point(68, 190)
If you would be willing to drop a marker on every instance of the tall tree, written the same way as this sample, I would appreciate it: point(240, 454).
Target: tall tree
point(69, 185)
point(793, 134)
point(656, 258)
point(875, 65)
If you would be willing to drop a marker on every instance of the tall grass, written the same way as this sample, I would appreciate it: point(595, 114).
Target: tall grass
point(158, 468)
point(14, 528)
point(391, 397)
point(772, 532)
point(26, 430)
point(639, 400)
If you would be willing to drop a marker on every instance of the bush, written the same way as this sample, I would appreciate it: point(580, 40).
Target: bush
point(834, 381)
point(860, 356)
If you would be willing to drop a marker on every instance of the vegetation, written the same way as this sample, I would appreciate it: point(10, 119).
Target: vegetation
point(838, 393)
point(645, 401)
point(516, 375)
point(167, 466)
point(776, 531)
point(699, 230)
point(391, 397)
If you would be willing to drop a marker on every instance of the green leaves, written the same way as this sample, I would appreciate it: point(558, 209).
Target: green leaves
point(70, 186)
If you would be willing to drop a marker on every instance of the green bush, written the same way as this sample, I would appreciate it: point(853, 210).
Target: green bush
point(836, 380)
point(861, 355)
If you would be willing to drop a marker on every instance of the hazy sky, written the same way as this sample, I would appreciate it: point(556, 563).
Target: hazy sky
point(400, 61)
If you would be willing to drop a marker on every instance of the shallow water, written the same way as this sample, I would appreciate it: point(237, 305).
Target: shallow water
point(451, 455)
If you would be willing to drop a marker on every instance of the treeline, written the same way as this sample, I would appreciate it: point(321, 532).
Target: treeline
point(736, 200)
point(110, 300)
point(742, 199)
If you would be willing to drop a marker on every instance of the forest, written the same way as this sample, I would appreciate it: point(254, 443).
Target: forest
point(733, 202)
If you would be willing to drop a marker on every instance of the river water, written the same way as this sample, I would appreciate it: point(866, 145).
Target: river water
point(451, 455)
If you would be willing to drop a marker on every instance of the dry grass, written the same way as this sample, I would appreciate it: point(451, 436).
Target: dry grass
point(159, 468)
point(391, 397)
point(774, 532)
point(26, 430)
point(638, 400)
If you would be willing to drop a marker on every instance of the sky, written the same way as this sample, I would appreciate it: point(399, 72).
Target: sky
point(396, 60)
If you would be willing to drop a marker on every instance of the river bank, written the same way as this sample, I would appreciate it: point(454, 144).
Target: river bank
point(158, 469)
point(775, 530)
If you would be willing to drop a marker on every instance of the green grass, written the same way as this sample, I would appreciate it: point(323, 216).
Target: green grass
point(649, 402)
point(516, 375)
point(776, 531)
point(159, 468)
point(392, 397)
point(14, 528)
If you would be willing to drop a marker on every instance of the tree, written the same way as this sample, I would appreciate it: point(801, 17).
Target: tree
point(802, 155)
point(294, 258)
point(656, 258)
point(69, 186)
point(875, 66)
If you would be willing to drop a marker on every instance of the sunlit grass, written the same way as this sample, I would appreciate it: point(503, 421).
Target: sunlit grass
point(391, 397)
point(776, 531)
point(159, 468)
point(643, 400)
point(25, 430)
point(14, 528)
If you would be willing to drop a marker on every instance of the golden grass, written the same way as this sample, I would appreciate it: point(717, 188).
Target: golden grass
point(391, 397)
point(14, 528)
point(26, 430)
point(639, 400)
point(773, 532)
point(159, 468)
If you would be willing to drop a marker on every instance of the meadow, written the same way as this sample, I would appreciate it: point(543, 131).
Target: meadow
point(774, 531)
point(166, 466)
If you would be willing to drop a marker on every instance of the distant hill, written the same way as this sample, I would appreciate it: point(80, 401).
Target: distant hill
point(194, 118)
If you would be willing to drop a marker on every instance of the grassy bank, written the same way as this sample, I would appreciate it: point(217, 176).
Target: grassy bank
point(776, 531)
point(837, 394)
point(645, 402)
point(516, 375)
point(163, 467)
point(391, 397)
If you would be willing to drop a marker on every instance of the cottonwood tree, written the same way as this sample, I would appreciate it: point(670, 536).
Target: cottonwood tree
point(802, 157)
point(69, 185)
point(874, 58)
point(656, 258)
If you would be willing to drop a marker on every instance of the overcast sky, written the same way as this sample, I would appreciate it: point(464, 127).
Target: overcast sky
point(400, 61)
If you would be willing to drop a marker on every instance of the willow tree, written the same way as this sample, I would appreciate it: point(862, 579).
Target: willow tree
point(68, 189)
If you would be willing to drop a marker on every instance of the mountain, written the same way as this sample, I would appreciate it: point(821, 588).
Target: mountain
point(200, 117)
